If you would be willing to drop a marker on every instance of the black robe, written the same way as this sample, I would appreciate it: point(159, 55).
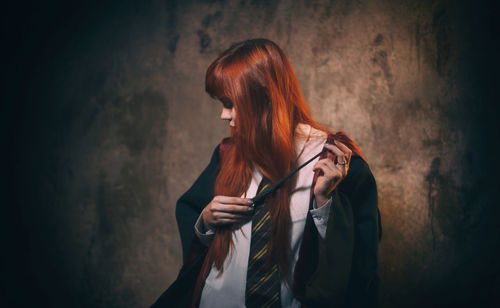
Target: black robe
point(339, 271)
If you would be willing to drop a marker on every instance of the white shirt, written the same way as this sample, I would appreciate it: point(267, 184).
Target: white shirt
point(227, 289)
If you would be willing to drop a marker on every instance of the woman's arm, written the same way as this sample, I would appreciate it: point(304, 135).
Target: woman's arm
point(191, 203)
point(199, 202)
point(346, 269)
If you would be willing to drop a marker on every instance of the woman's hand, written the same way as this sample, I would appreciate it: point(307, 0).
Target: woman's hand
point(331, 173)
point(223, 210)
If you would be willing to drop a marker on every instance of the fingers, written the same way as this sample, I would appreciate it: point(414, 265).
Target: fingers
point(231, 208)
point(329, 169)
point(326, 165)
point(222, 218)
point(221, 221)
point(227, 221)
point(330, 155)
point(229, 216)
point(232, 200)
point(224, 210)
point(343, 154)
point(328, 179)
point(338, 152)
point(345, 149)
point(231, 204)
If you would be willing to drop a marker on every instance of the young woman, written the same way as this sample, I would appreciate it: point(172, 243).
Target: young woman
point(310, 242)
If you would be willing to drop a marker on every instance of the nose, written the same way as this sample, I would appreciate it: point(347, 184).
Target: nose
point(226, 114)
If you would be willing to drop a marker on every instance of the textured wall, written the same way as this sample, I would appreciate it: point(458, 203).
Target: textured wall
point(109, 123)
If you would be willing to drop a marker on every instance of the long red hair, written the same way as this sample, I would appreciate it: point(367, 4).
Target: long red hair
point(256, 77)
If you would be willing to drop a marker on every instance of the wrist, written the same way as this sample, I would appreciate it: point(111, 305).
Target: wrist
point(321, 201)
point(206, 226)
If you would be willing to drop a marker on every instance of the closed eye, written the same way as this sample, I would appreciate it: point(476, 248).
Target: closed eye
point(227, 104)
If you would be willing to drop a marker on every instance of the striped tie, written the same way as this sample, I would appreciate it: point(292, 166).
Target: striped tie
point(263, 282)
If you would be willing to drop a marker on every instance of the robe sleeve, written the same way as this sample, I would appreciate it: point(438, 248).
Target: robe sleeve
point(205, 235)
point(345, 272)
point(193, 201)
point(320, 216)
point(364, 280)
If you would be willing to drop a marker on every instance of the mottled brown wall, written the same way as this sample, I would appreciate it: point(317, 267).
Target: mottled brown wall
point(109, 124)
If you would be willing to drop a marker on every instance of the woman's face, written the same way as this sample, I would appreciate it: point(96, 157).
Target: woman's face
point(228, 113)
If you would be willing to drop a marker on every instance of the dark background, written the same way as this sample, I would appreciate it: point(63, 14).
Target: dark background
point(105, 123)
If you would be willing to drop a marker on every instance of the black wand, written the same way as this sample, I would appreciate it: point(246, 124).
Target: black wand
point(271, 188)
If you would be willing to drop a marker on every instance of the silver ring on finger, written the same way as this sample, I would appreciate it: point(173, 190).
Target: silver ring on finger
point(342, 163)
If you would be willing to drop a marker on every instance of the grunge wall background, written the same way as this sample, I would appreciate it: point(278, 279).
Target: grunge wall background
point(106, 124)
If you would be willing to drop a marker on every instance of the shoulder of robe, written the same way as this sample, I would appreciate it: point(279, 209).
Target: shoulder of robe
point(359, 176)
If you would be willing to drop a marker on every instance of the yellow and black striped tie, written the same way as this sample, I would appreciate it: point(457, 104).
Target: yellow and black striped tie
point(263, 282)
